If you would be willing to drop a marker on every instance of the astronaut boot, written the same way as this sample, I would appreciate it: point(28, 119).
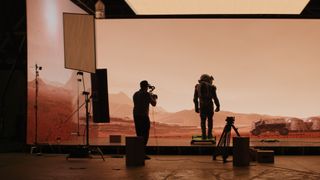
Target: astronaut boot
point(204, 136)
point(210, 136)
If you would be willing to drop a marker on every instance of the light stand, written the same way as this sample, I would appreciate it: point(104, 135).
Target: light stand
point(79, 80)
point(36, 146)
point(224, 142)
point(78, 103)
point(85, 151)
point(87, 101)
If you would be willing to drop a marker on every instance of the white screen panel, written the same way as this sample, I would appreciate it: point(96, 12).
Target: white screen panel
point(266, 66)
point(79, 43)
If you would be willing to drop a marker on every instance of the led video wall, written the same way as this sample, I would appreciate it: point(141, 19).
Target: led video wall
point(265, 70)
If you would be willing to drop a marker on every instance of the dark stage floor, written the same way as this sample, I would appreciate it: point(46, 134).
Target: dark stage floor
point(55, 166)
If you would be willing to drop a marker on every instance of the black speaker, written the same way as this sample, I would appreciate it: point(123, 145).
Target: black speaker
point(100, 100)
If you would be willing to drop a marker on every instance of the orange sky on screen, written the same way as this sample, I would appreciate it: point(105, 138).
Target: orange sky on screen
point(260, 65)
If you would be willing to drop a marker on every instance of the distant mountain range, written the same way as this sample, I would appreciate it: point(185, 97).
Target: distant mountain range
point(121, 106)
point(58, 122)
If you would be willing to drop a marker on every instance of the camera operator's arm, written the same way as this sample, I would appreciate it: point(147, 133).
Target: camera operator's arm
point(195, 100)
point(153, 99)
point(215, 98)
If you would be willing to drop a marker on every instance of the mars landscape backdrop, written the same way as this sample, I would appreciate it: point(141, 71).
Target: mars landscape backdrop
point(58, 122)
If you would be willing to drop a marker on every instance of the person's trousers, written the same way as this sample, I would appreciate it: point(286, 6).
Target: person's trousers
point(142, 126)
point(206, 115)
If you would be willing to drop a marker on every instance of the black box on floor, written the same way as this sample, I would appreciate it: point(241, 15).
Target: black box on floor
point(253, 154)
point(135, 151)
point(265, 156)
point(115, 138)
point(241, 151)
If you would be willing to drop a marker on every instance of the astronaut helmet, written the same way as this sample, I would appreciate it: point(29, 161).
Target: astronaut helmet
point(206, 78)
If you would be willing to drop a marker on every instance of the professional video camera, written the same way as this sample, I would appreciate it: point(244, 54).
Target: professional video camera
point(230, 120)
point(152, 88)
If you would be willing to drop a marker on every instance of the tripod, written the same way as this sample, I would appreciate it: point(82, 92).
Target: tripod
point(85, 151)
point(36, 147)
point(224, 142)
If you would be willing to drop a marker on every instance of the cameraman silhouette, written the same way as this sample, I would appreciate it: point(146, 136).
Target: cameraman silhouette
point(141, 100)
point(205, 91)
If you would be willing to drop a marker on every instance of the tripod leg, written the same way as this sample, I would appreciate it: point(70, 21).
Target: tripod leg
point(222, 143)
point(217, 151)
point(92, 149)
point(223, 136)
point(100, 152)
point(225, 150)
point(235, 130)
point(227, 143)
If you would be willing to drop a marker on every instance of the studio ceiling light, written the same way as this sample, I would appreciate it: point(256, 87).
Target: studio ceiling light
point(194, 7)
